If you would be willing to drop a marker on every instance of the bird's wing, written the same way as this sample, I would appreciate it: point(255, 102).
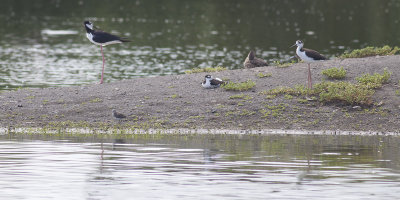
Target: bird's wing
point(314, 54)
point(216, 82)
point(259, 62)
point(103, 37)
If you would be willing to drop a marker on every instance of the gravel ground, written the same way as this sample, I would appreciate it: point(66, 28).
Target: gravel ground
point(179, 101)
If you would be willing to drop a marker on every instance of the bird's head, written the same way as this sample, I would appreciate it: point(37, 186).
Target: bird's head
point(298, 43)
point(208, 77)
point(88, 25)
point(251, 55)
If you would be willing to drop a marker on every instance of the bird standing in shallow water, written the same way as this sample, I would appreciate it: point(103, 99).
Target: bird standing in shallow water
point(252, 61)
point(101, 38)
point(210, 82)
point(307, 55)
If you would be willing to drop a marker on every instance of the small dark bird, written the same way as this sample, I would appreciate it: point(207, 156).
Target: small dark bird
point(117, 115)
point(210, 82)
point(252, 61)
point(101, 38)
point(308, 55)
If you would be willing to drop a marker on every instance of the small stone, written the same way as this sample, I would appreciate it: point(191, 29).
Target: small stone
point(19, 105)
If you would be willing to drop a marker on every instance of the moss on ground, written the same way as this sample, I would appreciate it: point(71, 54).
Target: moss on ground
point(339, 92)
point(207, 69)
point(334, 73)
point(371, 51)
point(242, 86)
point(376, 80)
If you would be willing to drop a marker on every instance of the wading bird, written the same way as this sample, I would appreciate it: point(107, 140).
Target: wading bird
point(307, 55)
point(101, 38)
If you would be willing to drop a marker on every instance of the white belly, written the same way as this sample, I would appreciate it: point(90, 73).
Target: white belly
point(208, 85)
point(303, 57)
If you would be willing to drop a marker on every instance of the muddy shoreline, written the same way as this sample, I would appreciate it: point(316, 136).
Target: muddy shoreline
point(179, 101)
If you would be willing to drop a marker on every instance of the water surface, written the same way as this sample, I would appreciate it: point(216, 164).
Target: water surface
point(199, 167)
point(43, 42)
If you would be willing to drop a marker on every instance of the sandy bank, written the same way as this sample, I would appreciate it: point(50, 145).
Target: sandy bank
point(179, 101)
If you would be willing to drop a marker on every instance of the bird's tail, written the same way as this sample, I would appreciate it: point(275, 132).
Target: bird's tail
point(124, 40)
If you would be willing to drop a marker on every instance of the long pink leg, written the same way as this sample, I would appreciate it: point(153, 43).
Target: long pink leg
point(309, 77)
point(102, 71)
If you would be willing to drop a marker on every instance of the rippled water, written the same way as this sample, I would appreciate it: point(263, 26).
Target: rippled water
point(199, 167)
point(43, 42)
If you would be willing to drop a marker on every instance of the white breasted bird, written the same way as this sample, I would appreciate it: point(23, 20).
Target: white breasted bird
point(308, 55)
point(101, 38)
point(210, 82)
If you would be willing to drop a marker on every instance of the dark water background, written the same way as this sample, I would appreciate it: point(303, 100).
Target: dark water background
point(43, 43)
point(199, 167)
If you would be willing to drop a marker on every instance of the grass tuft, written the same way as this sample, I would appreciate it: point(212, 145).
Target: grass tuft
point(296, 91)
point(207, 69)
point(247, 85)
point(371, 51)
point(374, 81)
point(344, 92)
point(334, 73)
point(283, 65)
point(261, 75)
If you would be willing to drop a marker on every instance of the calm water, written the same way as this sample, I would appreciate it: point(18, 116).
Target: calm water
point(42, 43)
point(199, 167)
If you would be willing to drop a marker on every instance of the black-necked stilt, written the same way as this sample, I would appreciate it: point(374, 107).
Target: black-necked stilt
point(101, 38)
point(210, 82)
point(307, 55)
point(117, 115)
point(252, 61)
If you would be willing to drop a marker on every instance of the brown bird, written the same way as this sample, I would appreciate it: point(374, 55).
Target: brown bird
point(252, 61)
point(117, 115)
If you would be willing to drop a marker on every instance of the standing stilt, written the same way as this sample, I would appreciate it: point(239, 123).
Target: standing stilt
point(101, 38)
point(308, 55)
point(102, 71)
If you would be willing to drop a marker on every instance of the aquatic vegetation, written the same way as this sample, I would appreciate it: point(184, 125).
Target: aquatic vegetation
point(371, 51)
point(334, 73)
point(207, 69)
point(262, 75)
point(242, 86)
point(376, 80)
